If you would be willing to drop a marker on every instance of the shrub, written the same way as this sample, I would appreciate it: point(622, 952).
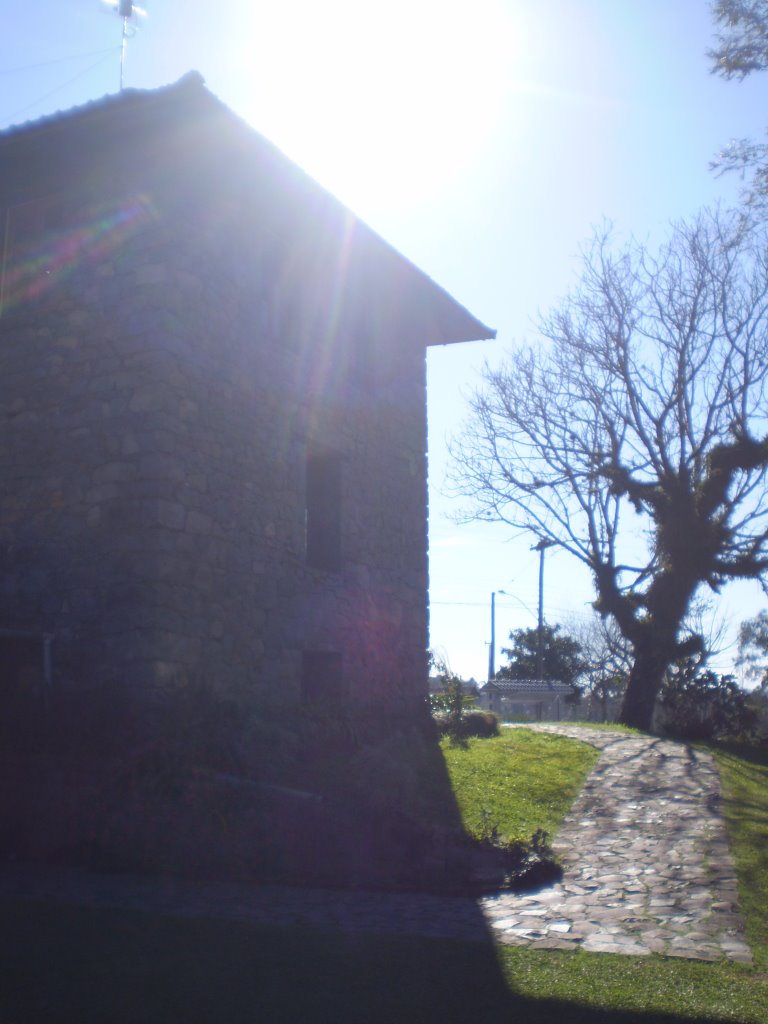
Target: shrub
point(700, 705)
point(480, 724)
point(451, 709)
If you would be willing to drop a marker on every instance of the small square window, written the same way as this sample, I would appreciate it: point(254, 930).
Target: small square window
point(362, 363)
point(23, 677)
point(323, 510)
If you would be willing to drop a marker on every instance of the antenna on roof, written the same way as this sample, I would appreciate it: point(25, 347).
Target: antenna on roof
point(128, 12)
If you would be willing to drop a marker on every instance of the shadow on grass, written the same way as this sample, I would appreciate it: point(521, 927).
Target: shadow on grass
point(745, 779)
point(755, 753)
point(63, 964)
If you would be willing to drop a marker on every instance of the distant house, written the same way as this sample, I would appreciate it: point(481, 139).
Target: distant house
point(526, 699)
point(212, 391)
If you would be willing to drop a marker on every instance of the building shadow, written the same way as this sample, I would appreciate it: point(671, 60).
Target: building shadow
point(189, 940)
point(62, 963)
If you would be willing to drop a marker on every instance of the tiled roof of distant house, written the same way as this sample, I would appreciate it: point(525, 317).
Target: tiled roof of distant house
point(529, 687)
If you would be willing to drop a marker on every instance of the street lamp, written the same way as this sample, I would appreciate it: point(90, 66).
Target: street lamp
point(541, 547)
point(492, 645)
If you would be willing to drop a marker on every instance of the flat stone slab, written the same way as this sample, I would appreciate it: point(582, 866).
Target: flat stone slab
point(645, 856)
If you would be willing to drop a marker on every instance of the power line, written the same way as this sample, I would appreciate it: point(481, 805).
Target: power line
point(57, 60)
point(559, 611)
point(52, 92)
point(463, 604)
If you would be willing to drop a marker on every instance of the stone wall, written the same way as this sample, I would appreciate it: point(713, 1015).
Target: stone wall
point(158, 396)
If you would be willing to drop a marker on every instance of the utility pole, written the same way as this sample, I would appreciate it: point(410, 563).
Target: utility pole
point(492, 648)
point(128, 13)
point(541, 547)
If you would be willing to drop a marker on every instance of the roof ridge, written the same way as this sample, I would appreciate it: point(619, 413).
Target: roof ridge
point(190, 80)
point(450, 321)
point(540, 683)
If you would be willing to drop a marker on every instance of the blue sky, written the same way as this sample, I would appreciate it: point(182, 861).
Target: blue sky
point(483, 140)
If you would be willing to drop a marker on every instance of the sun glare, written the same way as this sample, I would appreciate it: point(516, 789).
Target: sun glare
point(392, 99)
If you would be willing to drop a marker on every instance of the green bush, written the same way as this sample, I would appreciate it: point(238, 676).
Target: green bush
point(481, 724)
point(705, 706)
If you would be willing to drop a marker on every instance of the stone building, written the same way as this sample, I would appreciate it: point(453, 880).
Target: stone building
point(212, 393)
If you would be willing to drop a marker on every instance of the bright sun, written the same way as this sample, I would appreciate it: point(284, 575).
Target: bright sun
point(393, 99)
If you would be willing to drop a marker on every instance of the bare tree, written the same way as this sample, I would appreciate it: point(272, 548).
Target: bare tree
point(634, 436)
point(607, 658)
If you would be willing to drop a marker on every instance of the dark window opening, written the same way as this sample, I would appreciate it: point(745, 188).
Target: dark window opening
point(321, 679)
point(24, 676)
point(323, 510)
point(362, 363)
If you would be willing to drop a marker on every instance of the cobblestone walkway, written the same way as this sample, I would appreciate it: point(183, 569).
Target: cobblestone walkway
point(647, 869)
point(647, 866)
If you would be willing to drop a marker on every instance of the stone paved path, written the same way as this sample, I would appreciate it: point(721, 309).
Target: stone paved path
point(647, 865)
point(647, 869)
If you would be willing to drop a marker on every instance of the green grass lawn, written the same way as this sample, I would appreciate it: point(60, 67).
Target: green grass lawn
point(60, 964)
point(600, 986)
point(518, 782)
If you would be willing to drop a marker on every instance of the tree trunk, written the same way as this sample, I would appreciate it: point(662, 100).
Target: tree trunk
point(644, 684)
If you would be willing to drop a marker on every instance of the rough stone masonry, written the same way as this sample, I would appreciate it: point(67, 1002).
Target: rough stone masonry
point(190, 330)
